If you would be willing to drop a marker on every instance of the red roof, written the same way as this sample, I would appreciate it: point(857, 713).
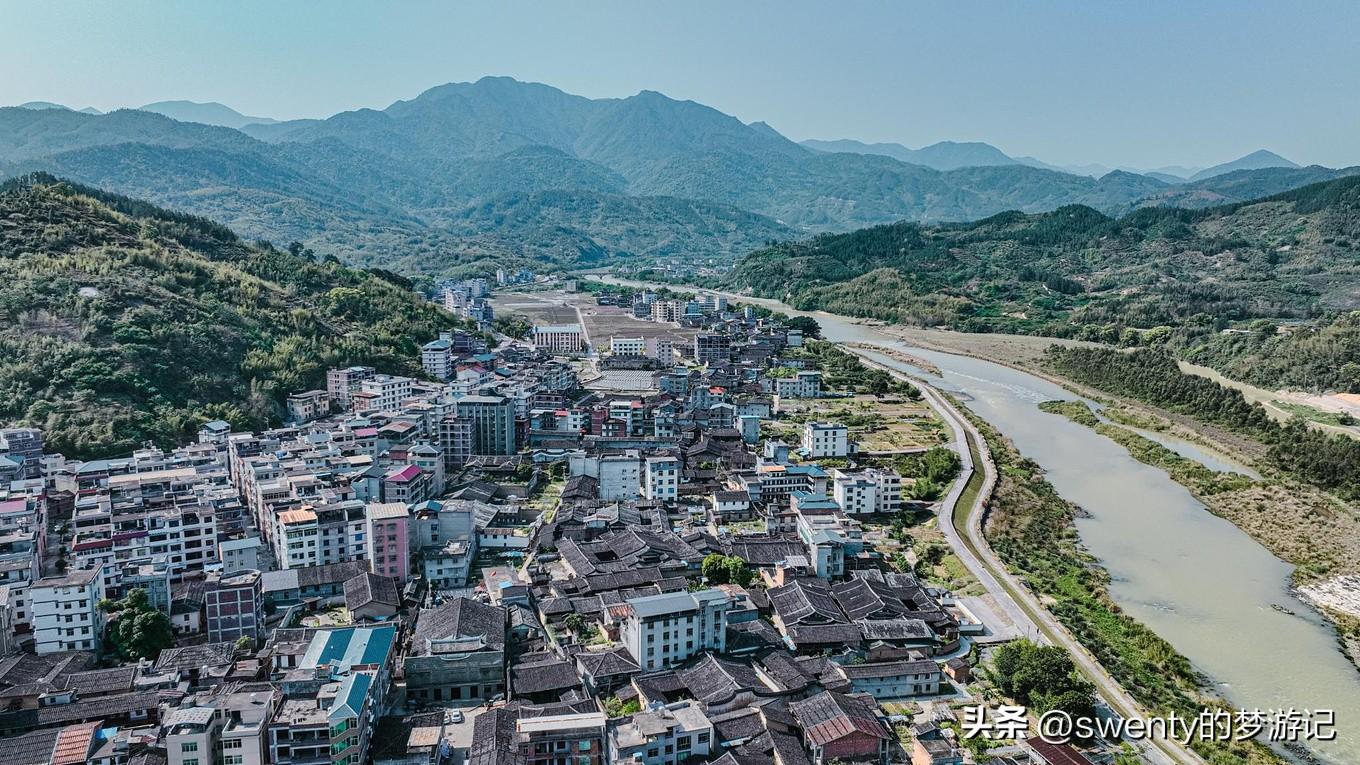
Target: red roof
point(405, 474)
point(1057, 754)
point(366, 432)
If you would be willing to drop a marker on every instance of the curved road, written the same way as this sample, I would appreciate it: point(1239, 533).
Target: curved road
point(1020, 604)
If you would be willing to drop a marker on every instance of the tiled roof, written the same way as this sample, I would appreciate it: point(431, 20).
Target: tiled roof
point(829, 717)
point(460, 618)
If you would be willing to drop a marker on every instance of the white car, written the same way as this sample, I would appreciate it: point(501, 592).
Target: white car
point(456, 716)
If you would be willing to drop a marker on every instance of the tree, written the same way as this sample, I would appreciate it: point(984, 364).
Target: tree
point(738, 572)
point(245, 643)
point(807, 324)
point(138, 630)
point(714, 569)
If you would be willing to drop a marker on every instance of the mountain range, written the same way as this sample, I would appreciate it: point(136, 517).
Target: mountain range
point(467, 172)
point(950, 155)
point(1076, 271)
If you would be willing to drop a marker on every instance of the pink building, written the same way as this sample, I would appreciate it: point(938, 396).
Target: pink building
point(389, 539)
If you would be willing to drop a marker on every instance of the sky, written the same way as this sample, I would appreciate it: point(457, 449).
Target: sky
point(1141, 84)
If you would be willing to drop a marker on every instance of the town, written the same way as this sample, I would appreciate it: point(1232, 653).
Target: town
point(670, 530)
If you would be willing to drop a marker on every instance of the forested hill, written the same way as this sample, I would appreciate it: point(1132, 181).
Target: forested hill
point(123, 323)
point(1076, 272)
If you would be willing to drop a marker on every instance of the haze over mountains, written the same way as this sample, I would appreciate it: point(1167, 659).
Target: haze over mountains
point(505, 169)
point(951, 155)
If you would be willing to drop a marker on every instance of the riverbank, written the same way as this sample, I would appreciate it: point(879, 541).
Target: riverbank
point(1313, 531)
point(1032, 528)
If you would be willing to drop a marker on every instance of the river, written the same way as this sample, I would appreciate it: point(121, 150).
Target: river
point(1195, 579)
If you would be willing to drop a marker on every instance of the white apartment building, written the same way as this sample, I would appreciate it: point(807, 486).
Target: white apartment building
point(856, 493)
point(382, 392)
point(667, 311)
point(661, 479)
point(627, 346)
point(619, 475)
point(436, 357)
point(826, 439)
point(66, 613)
point(804, 384)
point(659, 631)
point(559, 338)
point(672, 734)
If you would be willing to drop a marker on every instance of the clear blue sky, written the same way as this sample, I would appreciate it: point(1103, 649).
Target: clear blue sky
point(1144, 83)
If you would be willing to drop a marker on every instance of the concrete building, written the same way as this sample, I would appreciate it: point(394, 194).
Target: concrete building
point(627, 346)
point(659, 631)
point(669, 735)
point(867, 491)
point(710, 348)
point(619, 476)
point(661, 479)
point(825, 439)
point(240, 554)
point(559, 338)
point(66, 614)
point(342, 383)
point(308, 406)
point(436, 357)
point(667, 311)
point(233, 606)
point(803, 384)
point(493, 423)
point(389, 539)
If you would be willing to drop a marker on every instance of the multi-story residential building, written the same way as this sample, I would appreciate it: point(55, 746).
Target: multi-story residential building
point(627, 346)
point(872, 490)
point(226, 727)
point(667, 311)
point(559, 338)
point(619, 476)
point(389, 540)
point(24, 447)
point(381, 393)
point(662, 349)
point(307, 406)
point(493, 423)
point(825, 439)
point(855, 493)
point(712, 347)
point(576, 737)
point(407, 484)
point(661, 479)
point(66, 614)
point(240, 554)
point(457, 439)
point(659, 631)
point(436, 357)
point(333, 727)
point(803, 384)
point(233, 606)
point(342, 383)
point(672, 734)
point(445, 535)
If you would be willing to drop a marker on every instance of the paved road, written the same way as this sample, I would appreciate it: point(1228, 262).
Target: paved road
point(1019, 603)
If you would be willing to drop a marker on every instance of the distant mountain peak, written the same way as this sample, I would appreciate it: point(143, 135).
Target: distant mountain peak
point(1257, 160)
point(205, 112)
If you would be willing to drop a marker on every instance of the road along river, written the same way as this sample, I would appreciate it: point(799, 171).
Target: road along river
point(1195, 579)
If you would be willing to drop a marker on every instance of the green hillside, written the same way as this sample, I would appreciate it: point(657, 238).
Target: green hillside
point(1159, 275)
point(125, 324)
